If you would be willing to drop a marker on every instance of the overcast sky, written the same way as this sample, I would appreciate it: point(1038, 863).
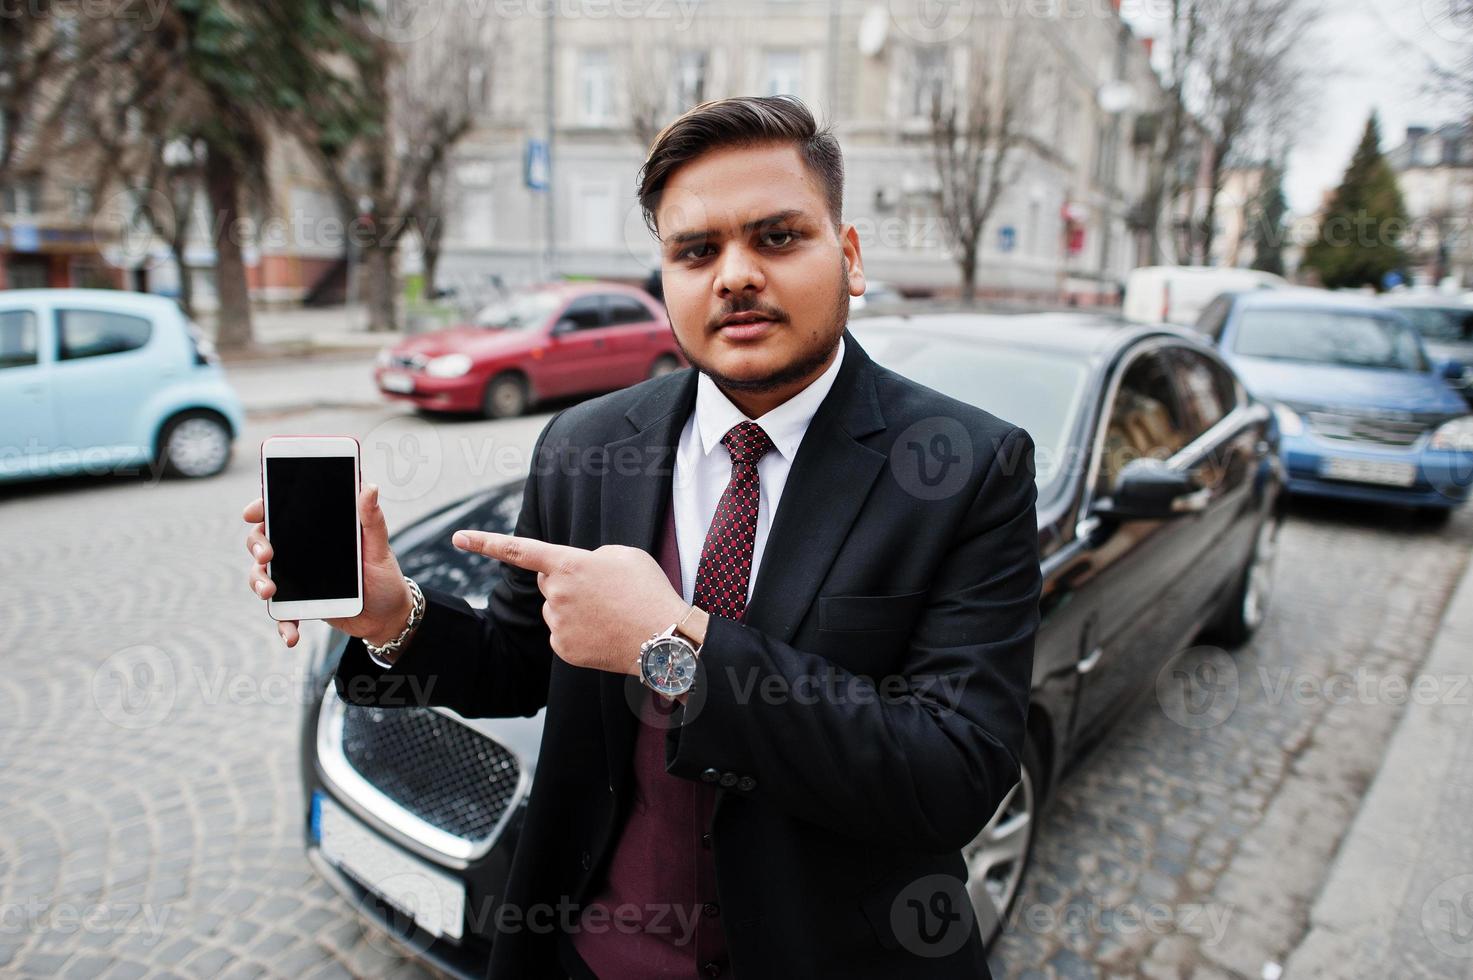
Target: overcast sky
point(1374, 54)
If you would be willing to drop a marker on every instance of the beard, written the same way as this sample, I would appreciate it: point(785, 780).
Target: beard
point(806, 365)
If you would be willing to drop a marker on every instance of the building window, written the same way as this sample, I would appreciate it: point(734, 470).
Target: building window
point(595, 87)
point(783, 73)
point(22, 197)
point(928, 79)
point(595, 209)
point(690, 79)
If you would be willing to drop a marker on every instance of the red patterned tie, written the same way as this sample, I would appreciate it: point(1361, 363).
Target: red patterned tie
point(726, 559)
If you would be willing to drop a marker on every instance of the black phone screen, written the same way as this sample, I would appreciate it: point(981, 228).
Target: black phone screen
point(313, 525)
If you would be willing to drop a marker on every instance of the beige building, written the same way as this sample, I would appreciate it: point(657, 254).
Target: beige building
point(1434, 169)
point(1061, 224)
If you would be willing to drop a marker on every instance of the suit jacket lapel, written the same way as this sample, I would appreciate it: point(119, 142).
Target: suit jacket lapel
point(827, 484)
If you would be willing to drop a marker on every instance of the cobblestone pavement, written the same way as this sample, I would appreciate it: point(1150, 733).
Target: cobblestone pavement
point(150, 807)
point(1193, 843)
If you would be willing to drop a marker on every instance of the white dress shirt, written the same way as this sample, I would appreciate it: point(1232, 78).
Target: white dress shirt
point(703, 465)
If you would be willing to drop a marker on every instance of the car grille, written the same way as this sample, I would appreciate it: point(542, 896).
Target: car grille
point(1345, 427)
point(408, 362)
point(447, 774)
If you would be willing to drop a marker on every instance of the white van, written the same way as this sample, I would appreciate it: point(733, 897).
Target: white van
point(1177, 293)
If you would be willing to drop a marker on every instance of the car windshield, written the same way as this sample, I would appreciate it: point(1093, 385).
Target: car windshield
point(519, 311)
point(1336, 337)
point(1437, 323)
point(1041, 391)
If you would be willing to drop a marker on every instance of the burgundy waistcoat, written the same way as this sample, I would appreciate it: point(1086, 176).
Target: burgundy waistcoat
point(657, 913)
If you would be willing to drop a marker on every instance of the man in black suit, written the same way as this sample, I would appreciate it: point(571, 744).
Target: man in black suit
point(780, 610)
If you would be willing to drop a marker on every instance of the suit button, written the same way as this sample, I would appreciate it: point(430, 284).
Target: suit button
point(712, 969)
point(746, 784)
point(706, 840)
point(710, 775)
point(586, 859)
point(728, 779)
point(711, 910)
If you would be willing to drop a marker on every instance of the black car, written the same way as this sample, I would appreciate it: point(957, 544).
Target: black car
point(1158, 478)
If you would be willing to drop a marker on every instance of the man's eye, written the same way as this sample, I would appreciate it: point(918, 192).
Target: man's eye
point(689, 253)
point(789, 235)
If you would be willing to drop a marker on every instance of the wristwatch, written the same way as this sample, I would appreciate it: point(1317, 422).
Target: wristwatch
point(667, 660)
point(386, 655)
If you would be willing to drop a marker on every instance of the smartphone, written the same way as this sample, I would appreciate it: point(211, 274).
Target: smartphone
point(310, 488)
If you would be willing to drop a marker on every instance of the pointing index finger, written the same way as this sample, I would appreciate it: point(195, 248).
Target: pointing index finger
point(528, 553)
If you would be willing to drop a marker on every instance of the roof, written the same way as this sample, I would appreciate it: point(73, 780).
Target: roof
point(1094, 335)
point(1297, 298)
point(116, 298)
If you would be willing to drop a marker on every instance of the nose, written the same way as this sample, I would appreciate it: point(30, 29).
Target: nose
point(737, 271)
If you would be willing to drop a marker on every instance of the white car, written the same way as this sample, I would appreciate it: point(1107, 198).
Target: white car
point(1177, 293)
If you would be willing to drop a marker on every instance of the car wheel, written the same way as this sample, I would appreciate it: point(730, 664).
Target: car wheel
point(506, 397)
point(663, 365)
point(998, 858)
point(195, 444)
point(1250, 602)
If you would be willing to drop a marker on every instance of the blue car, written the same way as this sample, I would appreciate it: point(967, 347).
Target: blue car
point(1364, 413)
point(99, 381)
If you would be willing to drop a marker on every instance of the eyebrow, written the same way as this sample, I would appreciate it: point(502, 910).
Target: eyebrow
point(684, 237)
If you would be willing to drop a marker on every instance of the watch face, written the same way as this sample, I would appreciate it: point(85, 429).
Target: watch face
point(669, 666)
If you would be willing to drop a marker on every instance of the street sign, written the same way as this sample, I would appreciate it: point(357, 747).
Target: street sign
point(538, 167)
point(1007, 238)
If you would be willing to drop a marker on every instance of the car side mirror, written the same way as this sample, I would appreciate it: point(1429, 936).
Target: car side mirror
point(1148, 489)
point(1453, 370)
point(565, 325)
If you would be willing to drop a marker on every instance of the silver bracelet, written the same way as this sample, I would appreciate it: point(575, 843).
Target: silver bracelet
point(385, 655)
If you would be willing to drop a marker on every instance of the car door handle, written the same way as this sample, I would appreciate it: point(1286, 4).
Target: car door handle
point(1193, 503)
point(1088, 663)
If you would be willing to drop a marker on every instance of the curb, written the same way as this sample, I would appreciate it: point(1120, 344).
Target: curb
point(1397, 899)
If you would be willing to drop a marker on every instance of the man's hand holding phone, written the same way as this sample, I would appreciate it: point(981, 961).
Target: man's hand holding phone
point(386, 597)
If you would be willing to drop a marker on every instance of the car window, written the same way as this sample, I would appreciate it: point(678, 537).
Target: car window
point(95, 333)
point(1440, 323)
point(1143, 421)
point(1041, 390)
point(626, 309)
point(18, 346)
point(519, 311)
point(1344, 338)
point(585, 311)
point(1206, 389)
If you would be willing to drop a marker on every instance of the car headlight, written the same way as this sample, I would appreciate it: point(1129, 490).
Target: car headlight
point(448, 366)
point(1455, 436)
point(385, 357)
point(1290, 424)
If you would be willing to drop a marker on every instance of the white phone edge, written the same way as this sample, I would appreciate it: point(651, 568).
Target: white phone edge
point(288, 447)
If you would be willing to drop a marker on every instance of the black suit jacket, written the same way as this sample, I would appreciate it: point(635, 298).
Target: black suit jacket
point(871, 706)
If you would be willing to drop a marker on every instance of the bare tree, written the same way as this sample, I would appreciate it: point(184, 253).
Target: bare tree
point(1253, 84)
point(384, 151)
point(978, 120)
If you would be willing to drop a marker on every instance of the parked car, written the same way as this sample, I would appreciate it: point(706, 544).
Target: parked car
point(1365, 413)
point(546, 342)
point(1158, 482)
point(1446, 325)
point(101, 381)
point(1177, 293)
point(877, 296)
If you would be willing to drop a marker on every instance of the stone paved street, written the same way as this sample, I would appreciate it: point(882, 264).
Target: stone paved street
point(150, 809)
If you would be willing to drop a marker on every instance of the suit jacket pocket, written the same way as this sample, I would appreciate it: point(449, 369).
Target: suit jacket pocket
point(847, 613)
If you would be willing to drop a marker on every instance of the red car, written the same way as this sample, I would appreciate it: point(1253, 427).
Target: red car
point(546, 342)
